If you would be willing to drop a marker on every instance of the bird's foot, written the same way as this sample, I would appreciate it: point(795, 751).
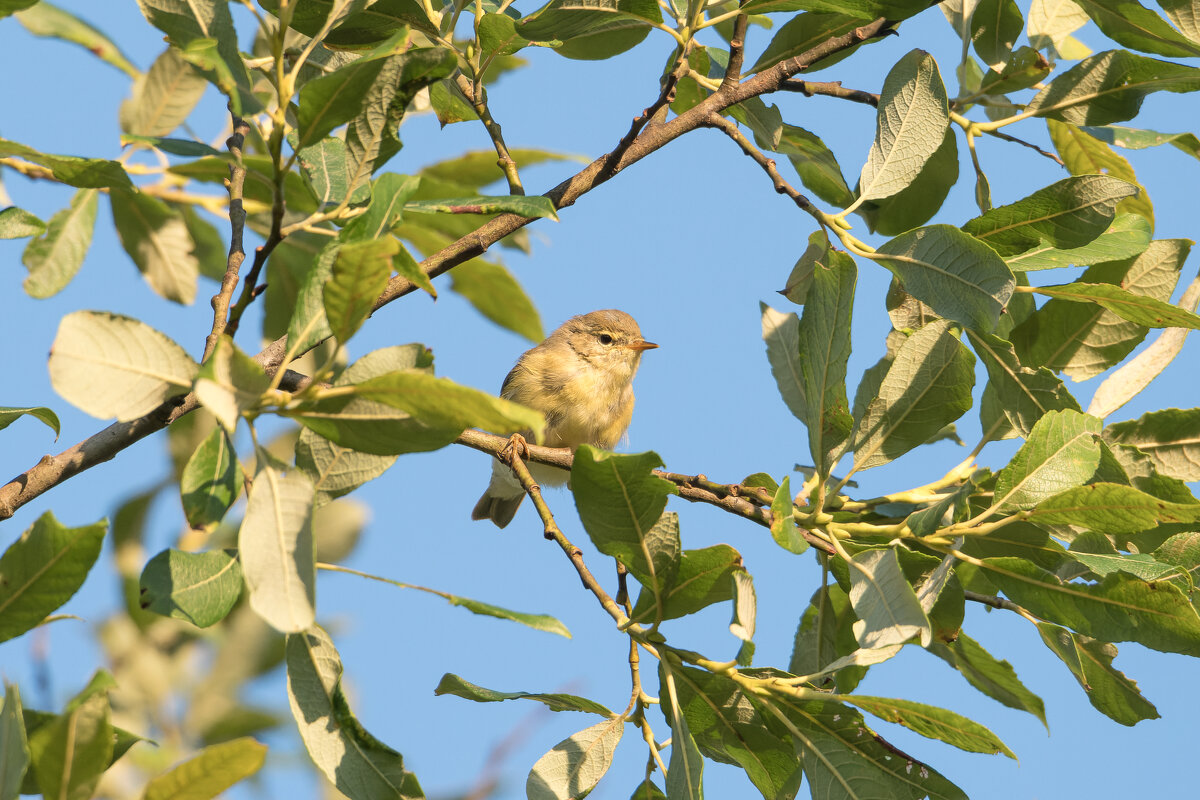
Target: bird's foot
point(516, 447)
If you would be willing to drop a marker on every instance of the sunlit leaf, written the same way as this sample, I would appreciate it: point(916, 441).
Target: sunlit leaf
point(454, 685)
point(201, 588)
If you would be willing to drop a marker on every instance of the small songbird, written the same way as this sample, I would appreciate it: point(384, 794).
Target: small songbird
point(581, 378)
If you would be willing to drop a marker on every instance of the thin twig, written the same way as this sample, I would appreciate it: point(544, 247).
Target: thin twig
point(237, 228)
point(666, 96)
point(830, 89)
point(510, 456)
point(737, 51)
point(477, 96)
point(730, 129)
point(994, 602)
point(1009, 138)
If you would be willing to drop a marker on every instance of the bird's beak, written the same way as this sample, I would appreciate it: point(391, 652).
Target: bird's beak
point(642, 345)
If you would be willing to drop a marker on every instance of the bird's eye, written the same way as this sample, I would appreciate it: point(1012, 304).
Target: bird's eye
point(605, 339)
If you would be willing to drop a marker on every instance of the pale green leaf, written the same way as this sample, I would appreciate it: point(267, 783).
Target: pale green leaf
point(17, 223)
point(56, 255)
point(208, 774)
point(1109, 87)
point(576, 764)
point(44, 19)
point(452, 684)
point(953, 273)
point(1061, 452)
point(275, 545)
point(933, 722)
point(1171, 437)
point(1128, 236)
point(358, 764)
point(211, 481)
point(157, 239)
point(10, 414)
point(163, 98)
point(910, 126)
point(1090, 661)
point(887, 607)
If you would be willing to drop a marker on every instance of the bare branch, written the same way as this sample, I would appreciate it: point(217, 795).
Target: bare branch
point(477, 96)
point(737, 51)
point(730, 129)
point(830, 89)
point(237, 225)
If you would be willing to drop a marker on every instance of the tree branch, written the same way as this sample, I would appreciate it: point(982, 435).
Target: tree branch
point(102, 446)
point(237, 224)
point(737, 51)
point(743, 501)
point(477, 96)
point(830, 89)
point(730, 129)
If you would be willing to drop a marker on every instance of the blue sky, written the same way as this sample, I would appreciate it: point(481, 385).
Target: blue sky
point(688, 241)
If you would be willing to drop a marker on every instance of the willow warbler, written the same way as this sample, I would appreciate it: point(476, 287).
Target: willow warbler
point(581, 378)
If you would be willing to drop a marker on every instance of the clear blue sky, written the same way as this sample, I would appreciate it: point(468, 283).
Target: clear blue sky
point(688, 241)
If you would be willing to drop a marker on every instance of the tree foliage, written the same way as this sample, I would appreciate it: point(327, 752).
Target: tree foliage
point(1089, 532)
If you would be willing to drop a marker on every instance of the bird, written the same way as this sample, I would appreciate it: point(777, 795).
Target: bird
point(581, 379)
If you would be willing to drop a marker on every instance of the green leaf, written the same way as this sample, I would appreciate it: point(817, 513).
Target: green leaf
point(917, 202)
point(82, 173)
point(887, 607)
point(176, 147)
point(824, 348)
point(1061, 452)
point(10, 414)
point(358, 764)
point(1127, 305)
point(44, 19)
point(783, 526)
point(8, 7)
point(1100, 557)
point(454, 685)
point(1082, 340)
point(215, 769)
point(993, 677)
point(163, 98)
point(1052, 23)
point(358, 26)
point(17, 223)
point(210, 249)
point(477, 168)
point(359, 275)
point(328, 169)
point(704, 577)
point(1171, 437)
point(498, 37)
point(1090, 661)
point(910, 126)
point(802, 33)
point(576, 764)
point(1084, 155)
point(441, 403)
point(1120, 608)
point(389, 193)
point(958, 276)
point(1109, 87)
point(337, 98)
point(648, 790)
point(371, 136)
point(1135, 139)
point(496, 294)
point(157, 239)
point(230, 383)
point(927, 387)
point(1066, 214)
point(781, 332)
point(1024, 394)
point(201, 588)
point(621, 506)
point(308, 325)
point(1132, 25)
point(933, 722)
point(211, 481)
point(766, 122)
point(43, 569)
point(825, 634)
point(1024, 68)
point(1111, 508)
point(835, 752)
point(203, 30)
point(14, 745)
point(71, 752)
point(275, 545)
point(1128, 236)
point(995, 27)
point(590, 30)
point(815, 164)
point(54, 257)
point(685, 774)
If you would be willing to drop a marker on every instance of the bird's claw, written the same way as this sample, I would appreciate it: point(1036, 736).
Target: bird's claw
point(516, 447)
